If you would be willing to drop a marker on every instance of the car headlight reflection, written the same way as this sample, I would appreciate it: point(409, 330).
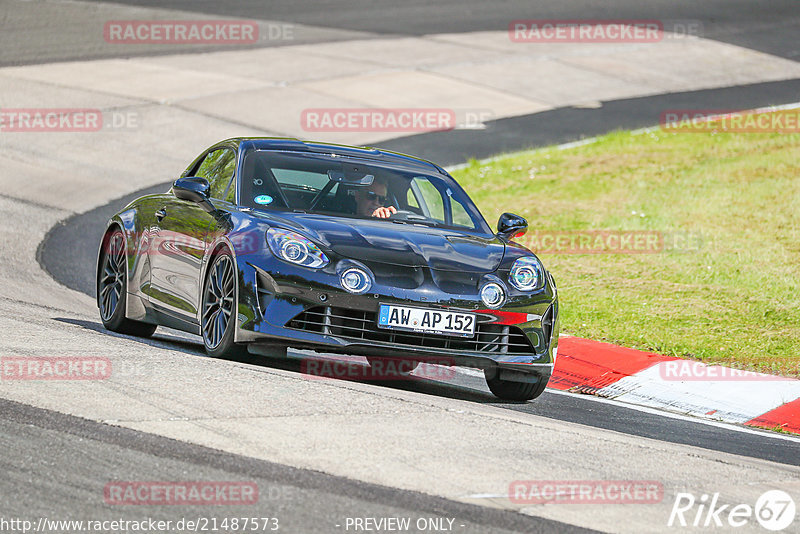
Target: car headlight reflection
point(294, 248)
point(526, 273)
point(492, 295)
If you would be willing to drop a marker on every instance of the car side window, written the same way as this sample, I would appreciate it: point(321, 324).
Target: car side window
point(207, 165)
point(431, 197)
point(218, 168)
point(228, 191)
point(411, 200)
point(460, 215)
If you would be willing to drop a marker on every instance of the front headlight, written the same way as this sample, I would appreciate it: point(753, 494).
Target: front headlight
point(526, 274)
point(294, 248)
point(492, 295)
point(355, 280)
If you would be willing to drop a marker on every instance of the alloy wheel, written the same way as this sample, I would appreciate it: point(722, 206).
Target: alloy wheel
point(112, 282)
point(218, 301)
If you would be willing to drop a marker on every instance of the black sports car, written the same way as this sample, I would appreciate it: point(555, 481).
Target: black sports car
point(265, 243)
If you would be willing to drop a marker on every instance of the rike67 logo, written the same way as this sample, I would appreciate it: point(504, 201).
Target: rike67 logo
point(774, 510)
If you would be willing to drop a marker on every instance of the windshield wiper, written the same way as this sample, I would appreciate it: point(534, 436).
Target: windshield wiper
point(420, 222)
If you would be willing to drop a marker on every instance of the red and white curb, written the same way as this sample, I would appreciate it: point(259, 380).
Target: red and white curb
point(682, 386)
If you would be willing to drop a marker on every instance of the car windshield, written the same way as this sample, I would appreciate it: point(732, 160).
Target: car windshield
point(346, 187)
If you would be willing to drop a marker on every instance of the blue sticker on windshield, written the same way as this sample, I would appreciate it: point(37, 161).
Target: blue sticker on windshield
point(263, 199)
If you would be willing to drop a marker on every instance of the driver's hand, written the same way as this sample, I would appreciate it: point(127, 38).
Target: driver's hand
point(384, 213)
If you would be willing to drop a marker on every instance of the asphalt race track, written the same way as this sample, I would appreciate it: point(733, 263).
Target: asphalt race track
point(321, 453)
point(68, 251)
point(741, 22)
point(77, 445)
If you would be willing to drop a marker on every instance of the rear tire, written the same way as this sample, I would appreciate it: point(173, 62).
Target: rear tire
point(514, 391)
point(112, 288)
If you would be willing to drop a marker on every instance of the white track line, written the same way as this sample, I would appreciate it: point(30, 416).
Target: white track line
point(671, 415)
point(654, 411)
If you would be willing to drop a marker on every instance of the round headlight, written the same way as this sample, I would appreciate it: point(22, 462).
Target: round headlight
point(294, 251)
point(355, 280)
point(492, 295)
point(526, 273)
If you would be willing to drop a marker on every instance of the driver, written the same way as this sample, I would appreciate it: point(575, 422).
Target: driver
point(370, 200)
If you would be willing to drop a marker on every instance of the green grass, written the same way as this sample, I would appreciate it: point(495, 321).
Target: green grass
point(733, 299)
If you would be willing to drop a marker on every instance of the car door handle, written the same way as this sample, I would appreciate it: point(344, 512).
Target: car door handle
point(160, 214)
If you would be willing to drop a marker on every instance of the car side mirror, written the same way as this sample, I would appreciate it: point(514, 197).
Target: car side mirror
point(510, 226)
point(193, 189)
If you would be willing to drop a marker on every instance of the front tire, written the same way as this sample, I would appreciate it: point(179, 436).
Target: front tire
point(112, 289)
point(514, 391)
point(218, 320)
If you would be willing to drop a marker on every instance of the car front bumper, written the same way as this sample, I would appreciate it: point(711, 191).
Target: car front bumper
point(287, 305)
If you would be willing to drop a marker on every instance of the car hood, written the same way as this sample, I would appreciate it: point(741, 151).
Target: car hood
point(403, 244)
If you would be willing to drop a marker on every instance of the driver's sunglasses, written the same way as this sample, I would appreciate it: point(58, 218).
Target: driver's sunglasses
point(372, 195)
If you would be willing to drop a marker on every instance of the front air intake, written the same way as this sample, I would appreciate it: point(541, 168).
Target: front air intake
point(362, 325)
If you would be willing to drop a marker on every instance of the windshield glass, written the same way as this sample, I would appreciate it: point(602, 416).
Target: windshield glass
point(317, 183)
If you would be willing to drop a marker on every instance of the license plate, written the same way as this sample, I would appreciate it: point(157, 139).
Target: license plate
point(426, 320)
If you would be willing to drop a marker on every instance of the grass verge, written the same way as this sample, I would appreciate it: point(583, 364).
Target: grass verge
point(724, 287)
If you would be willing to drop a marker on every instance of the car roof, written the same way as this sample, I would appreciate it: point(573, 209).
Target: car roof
point(296, 145)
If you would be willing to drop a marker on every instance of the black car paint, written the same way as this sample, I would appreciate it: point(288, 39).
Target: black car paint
point(413, 265)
